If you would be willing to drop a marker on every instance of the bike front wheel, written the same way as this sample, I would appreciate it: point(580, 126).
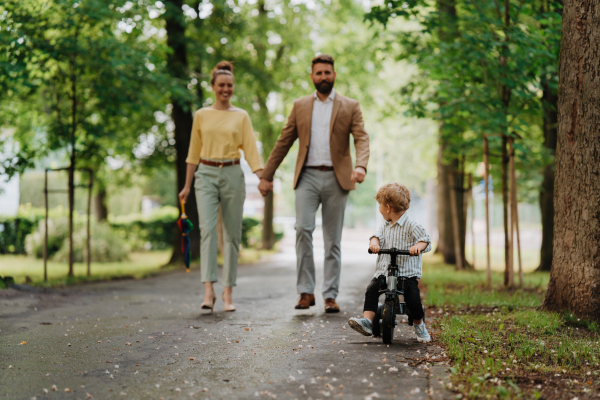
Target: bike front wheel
point(388, 322)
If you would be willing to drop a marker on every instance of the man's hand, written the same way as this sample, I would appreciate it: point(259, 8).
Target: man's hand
point(374, 245)
point(358, 175)
point(265, 187)
point(418, 248)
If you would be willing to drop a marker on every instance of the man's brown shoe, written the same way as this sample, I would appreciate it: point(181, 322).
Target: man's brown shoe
point(306, 300)
point(331, 306)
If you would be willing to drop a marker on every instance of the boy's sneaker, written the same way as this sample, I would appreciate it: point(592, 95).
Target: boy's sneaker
point(422, 334)
point(361, 325)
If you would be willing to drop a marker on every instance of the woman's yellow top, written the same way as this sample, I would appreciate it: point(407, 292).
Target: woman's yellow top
point(220, 134)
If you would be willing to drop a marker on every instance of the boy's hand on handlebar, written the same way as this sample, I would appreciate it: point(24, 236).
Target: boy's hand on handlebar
point(418, 248)
point(374, 245)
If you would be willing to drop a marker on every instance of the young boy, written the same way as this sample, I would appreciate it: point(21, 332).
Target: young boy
point(402, 232)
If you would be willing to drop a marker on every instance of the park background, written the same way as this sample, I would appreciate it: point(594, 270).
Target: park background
point(111, 87)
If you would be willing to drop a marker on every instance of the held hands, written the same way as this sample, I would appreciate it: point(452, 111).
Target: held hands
point(358, 175)
point(374, 245)
point(418, 248)
point(265, 187)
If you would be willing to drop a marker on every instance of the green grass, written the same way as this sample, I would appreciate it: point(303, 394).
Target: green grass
point(449, 287)
point(501, 345)
point(139, 265)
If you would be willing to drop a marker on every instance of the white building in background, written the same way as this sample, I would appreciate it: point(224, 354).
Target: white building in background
point(9, 195)
point(9, 188)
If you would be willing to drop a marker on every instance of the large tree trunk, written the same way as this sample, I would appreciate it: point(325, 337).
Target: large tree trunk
point(549, 102)
point(549, 127)
point(447, 31)
point(181, 115)
point(575, 277)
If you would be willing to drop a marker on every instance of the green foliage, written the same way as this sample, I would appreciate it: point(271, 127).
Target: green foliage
point(57, 92)
point(105, 245)
point(479, 73)
point(144, 233)
point(247, 225)
point(13, 231)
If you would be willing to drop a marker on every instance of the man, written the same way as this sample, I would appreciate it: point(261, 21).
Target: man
point(322, 122)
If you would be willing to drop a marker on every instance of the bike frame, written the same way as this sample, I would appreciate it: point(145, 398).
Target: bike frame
point(392, 292)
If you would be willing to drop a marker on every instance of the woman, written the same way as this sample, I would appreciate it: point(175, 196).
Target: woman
point(218, 133)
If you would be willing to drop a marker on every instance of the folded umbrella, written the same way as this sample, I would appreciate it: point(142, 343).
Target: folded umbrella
point(186, 226)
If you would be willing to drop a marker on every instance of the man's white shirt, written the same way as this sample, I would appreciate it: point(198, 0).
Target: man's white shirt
point(318, 152)
point(402, 234)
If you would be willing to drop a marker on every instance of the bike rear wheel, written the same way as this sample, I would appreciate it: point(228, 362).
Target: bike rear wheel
point(388, 322)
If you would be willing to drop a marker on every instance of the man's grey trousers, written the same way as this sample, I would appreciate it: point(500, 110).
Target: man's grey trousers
point(319, 187)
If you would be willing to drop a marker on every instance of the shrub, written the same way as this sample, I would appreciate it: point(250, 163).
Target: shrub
point(105, 246)
point(14, 230)
point(145, 233)
point(58, 231)
point(247, 226)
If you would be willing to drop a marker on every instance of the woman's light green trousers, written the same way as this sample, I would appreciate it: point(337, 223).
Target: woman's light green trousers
point(225, 186)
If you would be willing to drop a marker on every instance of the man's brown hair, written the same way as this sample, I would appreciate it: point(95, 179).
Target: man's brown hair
point(323, 59)
point(395, 195)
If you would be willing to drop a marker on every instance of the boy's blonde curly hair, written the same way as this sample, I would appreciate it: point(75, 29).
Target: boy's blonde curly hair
point(395, 195)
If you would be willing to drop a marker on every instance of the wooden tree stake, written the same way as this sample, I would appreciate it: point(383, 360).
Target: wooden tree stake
point(514, 213)
point(486, 176)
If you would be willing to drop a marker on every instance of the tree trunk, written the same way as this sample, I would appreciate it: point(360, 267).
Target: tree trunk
point(575, 276)
point(549, 103)
point(447, 31)
point(100, 209)
point(445, 223)
point(268, 233)
point(444, 212)
point(268, 137)
point(181, 115)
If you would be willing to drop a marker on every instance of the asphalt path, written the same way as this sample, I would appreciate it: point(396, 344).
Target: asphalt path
point(148, 339)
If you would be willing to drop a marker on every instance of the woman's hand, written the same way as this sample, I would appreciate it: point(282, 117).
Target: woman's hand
point(183, 195)
point(265, 187)
point(374, 245)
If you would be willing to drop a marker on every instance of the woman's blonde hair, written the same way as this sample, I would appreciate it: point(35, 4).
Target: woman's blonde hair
point(395, 195)
point(222, 68)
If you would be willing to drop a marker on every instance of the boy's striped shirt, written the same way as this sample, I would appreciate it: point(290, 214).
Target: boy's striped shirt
point(402, 234)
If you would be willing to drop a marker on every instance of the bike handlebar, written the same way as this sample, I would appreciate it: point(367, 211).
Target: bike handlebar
point(393, 251)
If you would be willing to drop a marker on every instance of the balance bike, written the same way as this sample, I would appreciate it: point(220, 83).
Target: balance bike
point(385, 317)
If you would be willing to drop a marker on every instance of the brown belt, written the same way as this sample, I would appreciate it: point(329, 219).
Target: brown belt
point(320, 167)
point(219, 164)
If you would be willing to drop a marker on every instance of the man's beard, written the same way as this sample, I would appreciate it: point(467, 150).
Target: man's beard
point(324, 87)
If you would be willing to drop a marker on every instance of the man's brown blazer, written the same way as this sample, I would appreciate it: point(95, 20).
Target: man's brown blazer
point(346, 119)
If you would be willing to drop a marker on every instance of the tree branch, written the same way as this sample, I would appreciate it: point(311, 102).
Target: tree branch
point(516, 18)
